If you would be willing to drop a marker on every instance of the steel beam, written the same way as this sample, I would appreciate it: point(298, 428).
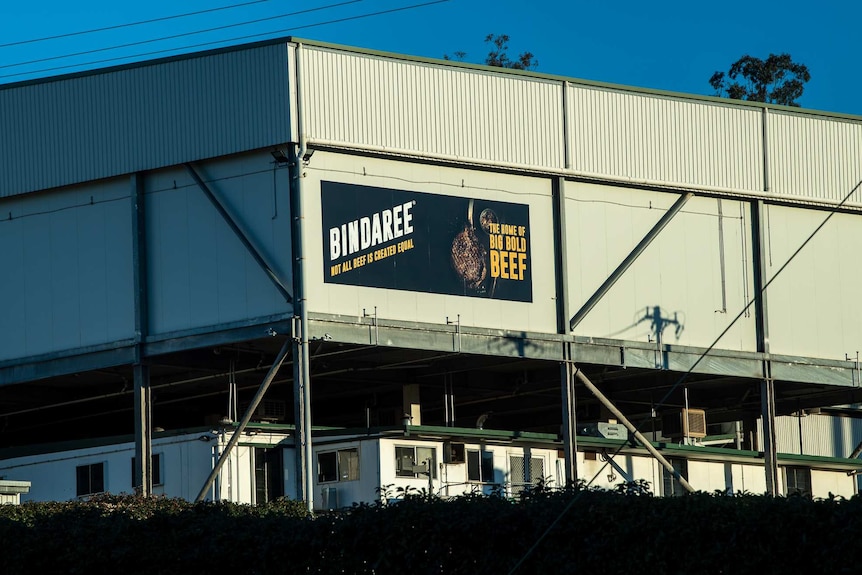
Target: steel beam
point(632, 429)
point(143, 431)
point(255, 253)
point(570, 435)
point(273, 371)
point(767, 385)
point(143, 407)
point(300, 337)
point(629, 260)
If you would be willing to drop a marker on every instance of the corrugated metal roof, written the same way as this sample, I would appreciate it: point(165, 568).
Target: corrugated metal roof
point(91, 126)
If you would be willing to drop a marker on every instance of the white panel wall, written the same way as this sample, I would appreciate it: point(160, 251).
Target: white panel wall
point(814, 307)
point(680, 272)
point(660, 138)
point(186, 462)
point(539, 316)
point(200, 274)
point(66, 257)
point(814, 157)
point(430, 109)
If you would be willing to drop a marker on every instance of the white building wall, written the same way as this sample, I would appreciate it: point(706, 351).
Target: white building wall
point(350, 300)
point(697, 273)
point(185, 464)
point(813, 304)
point(66, 257)
point(199, 273)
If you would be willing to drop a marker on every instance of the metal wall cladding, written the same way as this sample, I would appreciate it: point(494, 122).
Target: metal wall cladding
point(813, 305)
point(665, 139)
point(95, 126)
point(422, 108)
point(684, 289)
point(822, 435)
point(199, 273)
point(813, 157)
point(67, 269)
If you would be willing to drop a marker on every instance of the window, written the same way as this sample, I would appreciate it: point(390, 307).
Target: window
point(521, 468)
point(415, 462)
point(268, 474)
point(341, 465)
point(90, 479)
point(797, 481)
point(156, 466)
point(670, 484)
point(480, 466)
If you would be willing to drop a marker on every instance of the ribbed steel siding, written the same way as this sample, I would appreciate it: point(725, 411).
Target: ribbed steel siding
point(665, 139)
point(96, 126)
point(816, 158)
point(822, 435)
point(422, 108)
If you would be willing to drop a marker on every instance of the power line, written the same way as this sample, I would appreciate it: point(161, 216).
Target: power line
point(184, 34)
point(226, 40)
point(128, 24)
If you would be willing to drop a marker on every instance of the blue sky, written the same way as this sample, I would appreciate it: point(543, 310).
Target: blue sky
point(671, 45)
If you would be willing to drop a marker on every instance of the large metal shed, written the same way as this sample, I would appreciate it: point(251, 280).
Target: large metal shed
point(166, 240)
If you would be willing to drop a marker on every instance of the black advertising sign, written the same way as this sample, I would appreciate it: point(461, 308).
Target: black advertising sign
point(378, 237)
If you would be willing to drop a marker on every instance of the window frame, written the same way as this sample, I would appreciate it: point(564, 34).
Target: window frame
point(484, 465)
point(670, 485)
point(338, 464)
point(101, 465)
point(399, 471)
point(796, 471)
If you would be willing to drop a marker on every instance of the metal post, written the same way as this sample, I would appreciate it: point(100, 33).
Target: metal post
point(570, 436)
point(767, 386)
point(143, 473)
point(632, 429)
point(629, 260)
point(273, 371)
point(143, 431)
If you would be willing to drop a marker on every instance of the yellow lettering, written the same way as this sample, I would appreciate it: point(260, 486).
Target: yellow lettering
point(495, 263)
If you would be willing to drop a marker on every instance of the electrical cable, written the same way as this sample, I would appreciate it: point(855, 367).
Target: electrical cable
point(685, 375)
point(182, 35)
point(226, 40)
point(128, 24)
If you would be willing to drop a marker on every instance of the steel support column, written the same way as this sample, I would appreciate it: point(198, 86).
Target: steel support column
point(632, 429)
point(301, 359)
point(143, 431)
point(767, 386)
point(570, 435)
point(629, 260)
point(567, 379)
point(143, 473)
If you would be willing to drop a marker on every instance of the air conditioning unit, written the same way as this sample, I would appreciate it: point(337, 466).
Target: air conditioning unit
point(271, 410)
point(684, 423)
point(454, 452)
point(606, 430)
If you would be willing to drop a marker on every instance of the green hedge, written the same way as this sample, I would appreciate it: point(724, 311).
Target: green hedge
point(627, 531)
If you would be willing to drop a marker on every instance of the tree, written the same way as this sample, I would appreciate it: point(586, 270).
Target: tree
point(776, 80)
point(499, 55)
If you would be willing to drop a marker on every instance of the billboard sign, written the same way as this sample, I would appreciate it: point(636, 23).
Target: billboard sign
point(414, 241)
